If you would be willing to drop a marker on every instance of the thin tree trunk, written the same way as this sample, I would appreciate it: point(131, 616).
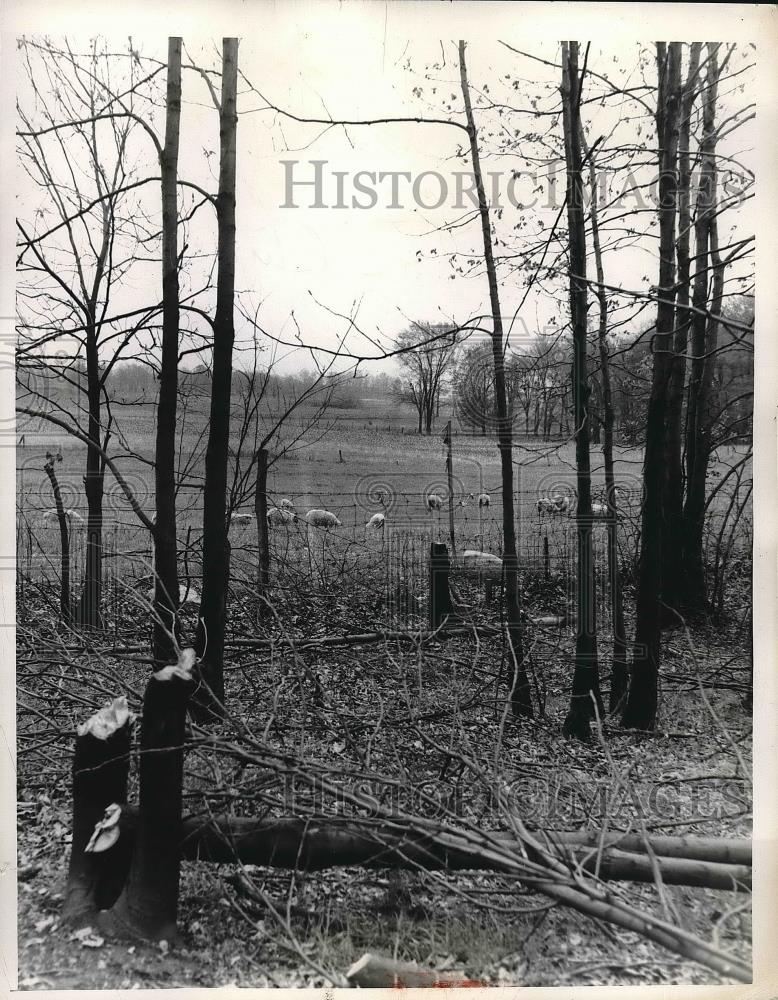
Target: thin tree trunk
point(641, 704)
point(165, 543)
point(695, 598)
point(520, 690)
point(450, 481)
point(619, 677)
point(260, 512)
point(586, 684)
point(697, 446)
point(64, 541)
point(89, 609)
point(216, 559)
point(672, 550)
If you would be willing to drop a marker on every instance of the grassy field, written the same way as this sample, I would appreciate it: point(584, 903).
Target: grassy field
point(345, 464)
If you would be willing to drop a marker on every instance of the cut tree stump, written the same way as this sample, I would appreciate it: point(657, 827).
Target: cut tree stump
point(101, 766)
point(148, 905)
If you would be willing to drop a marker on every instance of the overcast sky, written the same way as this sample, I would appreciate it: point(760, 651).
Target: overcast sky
point(385, 265)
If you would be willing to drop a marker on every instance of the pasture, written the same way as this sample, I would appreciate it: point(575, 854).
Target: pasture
point(359, 462)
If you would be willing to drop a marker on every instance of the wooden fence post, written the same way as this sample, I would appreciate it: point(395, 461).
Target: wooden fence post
point(439, 593)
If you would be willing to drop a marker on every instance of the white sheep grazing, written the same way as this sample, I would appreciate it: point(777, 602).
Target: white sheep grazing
point(318, 518)
point(242, 518)
point(546, 506)
point(555, 504)
point(376, 521)
point(186, 595)
point(484, 567)
point(484, 500)
point(599, 510)
point(280, 515)
point(286, 504)
point(434, 502)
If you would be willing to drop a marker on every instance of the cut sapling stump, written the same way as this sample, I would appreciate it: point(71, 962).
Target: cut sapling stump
point(147, 907)
point(100, 769)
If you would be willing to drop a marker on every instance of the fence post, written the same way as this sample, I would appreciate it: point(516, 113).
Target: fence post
point(546, 559)
point(439, 594)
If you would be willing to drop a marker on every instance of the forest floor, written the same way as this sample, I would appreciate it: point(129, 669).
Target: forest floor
point(410, 714)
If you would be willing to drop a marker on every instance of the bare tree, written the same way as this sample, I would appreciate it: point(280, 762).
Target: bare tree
point(586, 685)
point(216, 553)
point(641, 704)
point(425, 368)
point(520, 690)
point(673, 502)
point(165, 542)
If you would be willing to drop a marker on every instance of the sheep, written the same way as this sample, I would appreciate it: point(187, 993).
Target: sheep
point(555, 504)
point(322, 519)
point(280, 515)
point(242, 518)
point(599, 510)
point(72, 516)
point(376, 521)
point(434, 502)
point(186, 594)
point(482, 564)
point(484, 500)
point(286, 504)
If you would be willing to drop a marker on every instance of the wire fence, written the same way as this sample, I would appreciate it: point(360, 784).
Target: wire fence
point(389, 562)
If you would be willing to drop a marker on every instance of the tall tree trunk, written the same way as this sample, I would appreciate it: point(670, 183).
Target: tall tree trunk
point(165, 544)
point(90, 606)
point(619, 677)
point(697, 416)
point(260, 513)
point(520, 693)
point(216, 559)
point(641, 705)
point(672, 550)
point(64, 540)
point(586, 684)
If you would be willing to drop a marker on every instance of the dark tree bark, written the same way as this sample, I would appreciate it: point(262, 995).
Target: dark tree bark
point(260, 512)
point(440, 606)
point(619, 677)
point(586, 683)
point(148, 905)
point(89, 612)
point(672, 550)
point(216, 560)
point(64, 541)
point(641, 705)
point(703, 338)
point(101, 765)
point(165, 543)
point(450, 481)
point(521, 700)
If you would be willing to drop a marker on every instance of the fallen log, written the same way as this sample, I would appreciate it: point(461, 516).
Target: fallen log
point(726, 850)
point(378, 972)
point(315, 845)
